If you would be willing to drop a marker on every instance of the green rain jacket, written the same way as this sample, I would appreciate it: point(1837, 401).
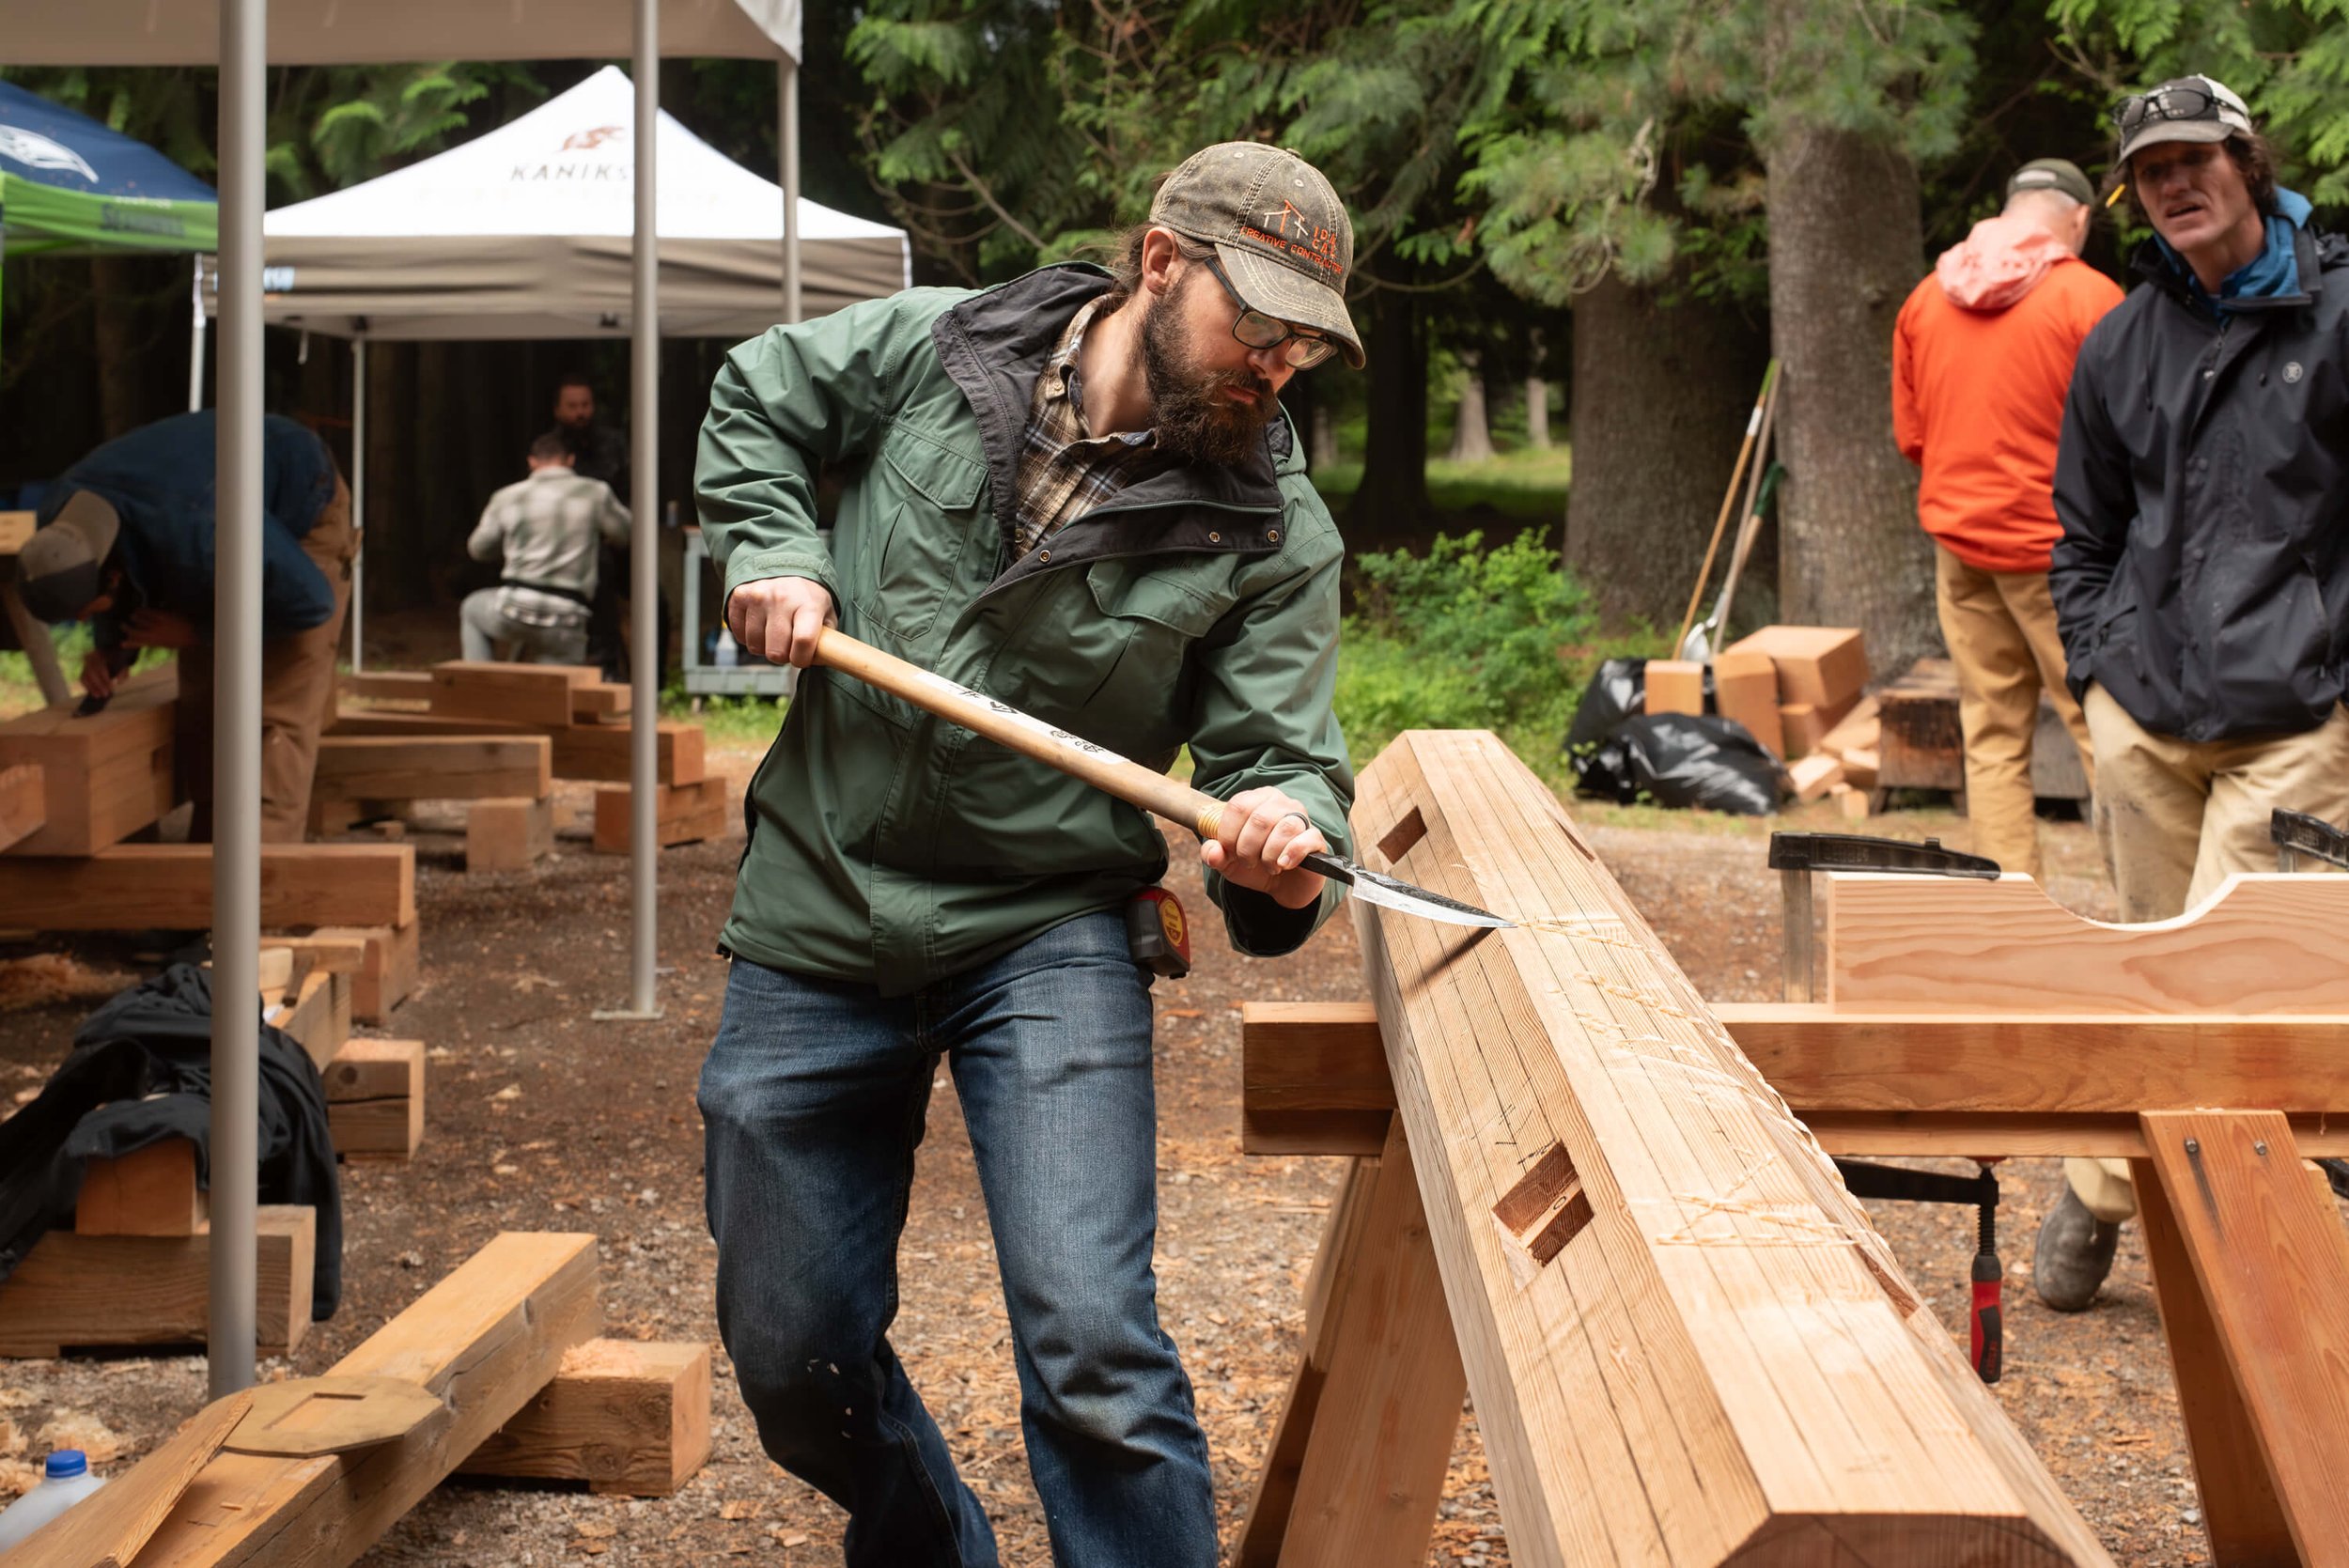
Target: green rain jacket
point(1197, 606)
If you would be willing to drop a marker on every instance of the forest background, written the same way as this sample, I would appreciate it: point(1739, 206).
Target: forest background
point(1582, 228)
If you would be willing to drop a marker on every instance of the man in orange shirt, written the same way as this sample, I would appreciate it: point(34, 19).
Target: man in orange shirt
point(1982, 358)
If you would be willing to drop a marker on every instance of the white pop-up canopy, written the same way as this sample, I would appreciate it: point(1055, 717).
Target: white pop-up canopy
point(524, 232)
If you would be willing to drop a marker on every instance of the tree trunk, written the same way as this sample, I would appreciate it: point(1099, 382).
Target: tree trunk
point(1537, 400)
point(1391, 507)
point(1321, 445)
point(113, 297)
point(1661, 398)
point(1844, 251)
point(1472, 432)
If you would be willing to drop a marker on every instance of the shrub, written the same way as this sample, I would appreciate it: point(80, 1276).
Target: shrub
point(1462, 638)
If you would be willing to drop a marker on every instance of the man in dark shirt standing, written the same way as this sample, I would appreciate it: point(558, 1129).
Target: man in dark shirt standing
point(597, 452)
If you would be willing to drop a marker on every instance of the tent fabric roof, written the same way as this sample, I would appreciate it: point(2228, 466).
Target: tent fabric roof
point(69, 182)
point(344, 32)
point(524, 232)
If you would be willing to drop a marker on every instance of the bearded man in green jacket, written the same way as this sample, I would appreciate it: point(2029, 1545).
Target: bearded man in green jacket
point(1073, 492)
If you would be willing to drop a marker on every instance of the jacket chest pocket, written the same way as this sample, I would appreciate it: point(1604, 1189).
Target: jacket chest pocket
point(926, 512)
point(1156, 618)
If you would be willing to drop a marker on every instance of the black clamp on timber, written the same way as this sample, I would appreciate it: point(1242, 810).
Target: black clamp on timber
point(1795, 857)
point(2297, 834)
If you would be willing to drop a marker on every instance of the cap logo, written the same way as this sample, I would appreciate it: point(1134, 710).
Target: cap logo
point(2292, 370)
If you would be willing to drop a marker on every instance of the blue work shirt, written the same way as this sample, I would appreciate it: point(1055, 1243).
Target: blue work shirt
point(159, 479)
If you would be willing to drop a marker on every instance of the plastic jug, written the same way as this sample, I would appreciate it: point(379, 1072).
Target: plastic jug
point(65, 1480)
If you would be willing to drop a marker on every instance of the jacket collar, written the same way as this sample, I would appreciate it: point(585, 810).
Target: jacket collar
point(995, 345)
point(2310, 255)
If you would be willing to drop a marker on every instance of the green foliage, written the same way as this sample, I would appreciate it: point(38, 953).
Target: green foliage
point(2288, 58)
point(1461, 637)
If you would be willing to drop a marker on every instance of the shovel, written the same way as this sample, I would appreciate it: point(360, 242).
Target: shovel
point(1106, 770)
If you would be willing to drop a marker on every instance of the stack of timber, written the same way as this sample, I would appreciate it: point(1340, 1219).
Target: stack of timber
point(98, 779)
point(584, 720)
point(1684, 1342)
point(1822, 672)
point(1741, 685)
point(1923, 747)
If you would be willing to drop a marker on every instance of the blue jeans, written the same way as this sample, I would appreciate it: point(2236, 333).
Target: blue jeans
point(814, 1097)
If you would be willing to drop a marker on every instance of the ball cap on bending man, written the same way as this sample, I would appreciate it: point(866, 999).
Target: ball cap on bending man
point(62, 568)
point(1278, 227)
point(2186, 109)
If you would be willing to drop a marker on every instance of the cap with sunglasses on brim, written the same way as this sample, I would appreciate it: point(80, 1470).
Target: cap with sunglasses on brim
point(2183, 109)
point(1278, 227)
point(62, 566)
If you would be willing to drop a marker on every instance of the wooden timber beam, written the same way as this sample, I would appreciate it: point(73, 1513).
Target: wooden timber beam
point(433, 768)
point(102, 776)
point(1683, 1340)
point(1313, 1077)
point(136, 886)
point(535, 694)
point(1938, 944)
point(23, 808)
point(483, 1340)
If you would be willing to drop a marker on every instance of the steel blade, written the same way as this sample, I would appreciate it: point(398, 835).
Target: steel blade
point(1388, 893)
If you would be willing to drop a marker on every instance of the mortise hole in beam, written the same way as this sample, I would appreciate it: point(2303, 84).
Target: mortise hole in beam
point(1397, 840)
point(1536, 1192)
point(1542, 1213)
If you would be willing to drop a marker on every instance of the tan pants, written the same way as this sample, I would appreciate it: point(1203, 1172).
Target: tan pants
point(297, 697)
point(2180, 816)
point(2001, 628)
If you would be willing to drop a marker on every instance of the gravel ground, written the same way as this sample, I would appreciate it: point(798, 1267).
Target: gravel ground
point(539, 1119)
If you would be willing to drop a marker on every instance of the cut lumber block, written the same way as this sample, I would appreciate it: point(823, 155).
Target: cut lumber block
point(601, 752)
point(535, 694)
point(149, 1191)
point(374, 1099)
point(1860, 769)
point(630, 1418)
point(76, 1291)
point(23, 803)
point(687, 813)
point(2262, 943)
point(1379, 1359)
point(387, 967)
point(1814, 776)
point(602, 699)
point(1684, 1342)
point(1855, 731)
point(484, 1340)
point(1922, 743)
point(1807, 725)
point(1675, 686)
point(376, 1129)
point(433, 768)
point(391, 685)
point(1851, 801)
point(109, 1534)
point(138, 886)
point(2265, 1261)
point(1745, 687)
point(335, 954)
point(1312, 1079)
point(390, 721)
point(318, 1018)
point(1821, 666)
point(509, 835)
point(101, 778)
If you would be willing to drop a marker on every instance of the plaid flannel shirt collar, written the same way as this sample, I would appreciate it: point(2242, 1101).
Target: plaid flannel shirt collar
point(1063, 468)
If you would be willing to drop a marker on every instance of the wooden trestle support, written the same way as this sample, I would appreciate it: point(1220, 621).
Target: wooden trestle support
point(1575, 1195)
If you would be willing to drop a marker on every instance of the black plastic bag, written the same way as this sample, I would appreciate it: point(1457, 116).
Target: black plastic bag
point(1617, 692)
point(1682, 760)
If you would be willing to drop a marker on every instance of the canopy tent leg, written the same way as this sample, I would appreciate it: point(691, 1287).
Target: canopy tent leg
point(358, 503)
point(237, 712)
point(644, 507)
point(788, 175)
point(196, 334)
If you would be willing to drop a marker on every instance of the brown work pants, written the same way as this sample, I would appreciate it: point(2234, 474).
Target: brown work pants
point(297, 697)
point(2001, 628)
point(2180, 817)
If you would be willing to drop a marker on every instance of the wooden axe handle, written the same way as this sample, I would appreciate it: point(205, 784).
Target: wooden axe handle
point(1031, 737)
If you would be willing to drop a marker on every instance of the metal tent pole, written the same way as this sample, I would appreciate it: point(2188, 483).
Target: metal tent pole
point(644, 506)
point(358, 501)
point(195, 336)
point(237, 704)
point(788, 175)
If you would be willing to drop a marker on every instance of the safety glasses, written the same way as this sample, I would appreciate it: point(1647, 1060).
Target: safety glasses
point(1303, 350)
point(2163, 104)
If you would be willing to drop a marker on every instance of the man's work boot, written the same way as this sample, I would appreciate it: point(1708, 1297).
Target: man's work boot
point(2073, 1256)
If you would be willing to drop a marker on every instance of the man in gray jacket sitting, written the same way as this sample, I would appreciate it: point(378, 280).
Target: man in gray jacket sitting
point(547, 528)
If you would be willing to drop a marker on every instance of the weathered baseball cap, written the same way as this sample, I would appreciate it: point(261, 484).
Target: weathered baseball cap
point(62, 566)
point(1276, 225)
point(2053, 173)
point(2183, 109)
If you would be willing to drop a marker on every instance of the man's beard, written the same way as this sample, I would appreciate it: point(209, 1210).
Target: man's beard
point(1194, 419)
